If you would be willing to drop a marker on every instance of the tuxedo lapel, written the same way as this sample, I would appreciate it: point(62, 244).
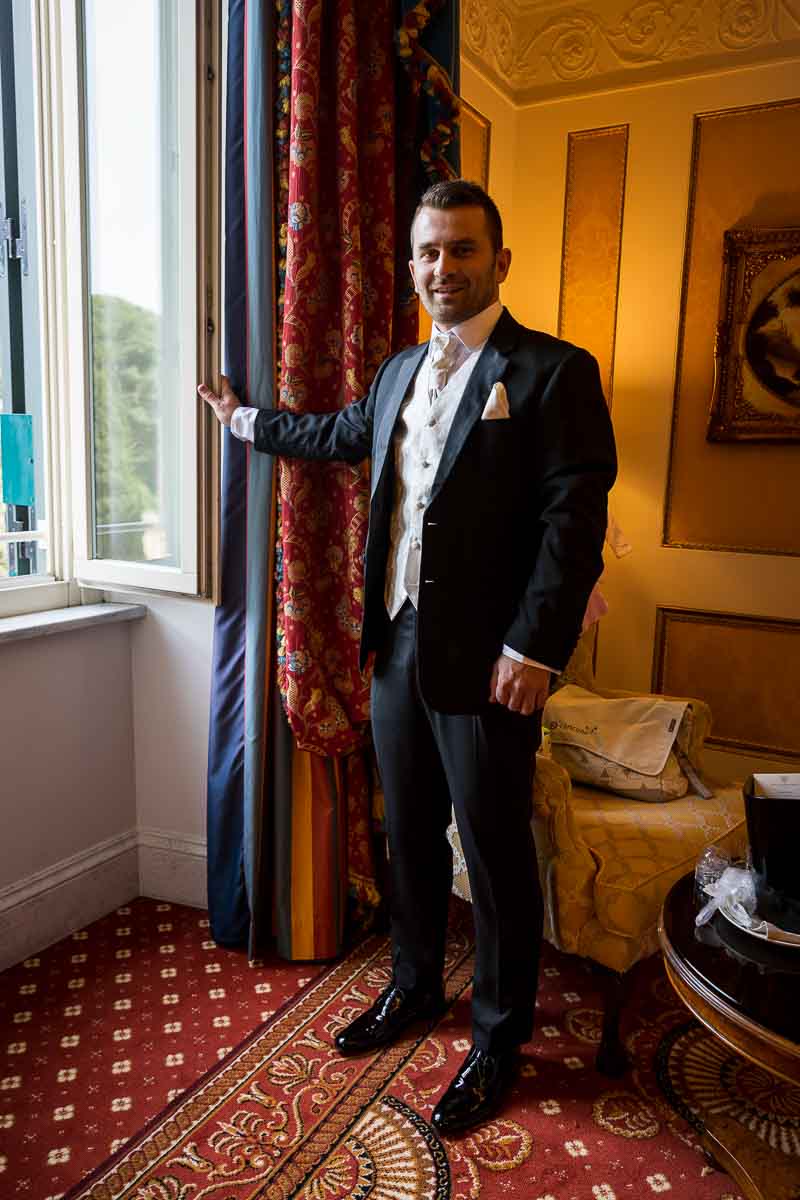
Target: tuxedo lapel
point(387, 413)
point(489, 369)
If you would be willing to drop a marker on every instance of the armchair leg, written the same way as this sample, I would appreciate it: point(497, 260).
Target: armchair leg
point(612, 1058)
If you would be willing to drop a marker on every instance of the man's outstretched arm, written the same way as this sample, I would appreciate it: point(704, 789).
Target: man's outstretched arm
point(345, 435)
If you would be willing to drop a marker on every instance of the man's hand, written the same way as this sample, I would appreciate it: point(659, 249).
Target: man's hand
point(519, 686)
point(223, 405)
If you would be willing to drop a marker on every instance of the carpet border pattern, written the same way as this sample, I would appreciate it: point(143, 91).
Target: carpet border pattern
point(120, 1176)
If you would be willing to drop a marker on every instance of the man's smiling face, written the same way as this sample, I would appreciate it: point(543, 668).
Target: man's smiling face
point(455, 268)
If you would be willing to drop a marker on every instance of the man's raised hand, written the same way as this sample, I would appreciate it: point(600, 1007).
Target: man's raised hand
point(224, 404)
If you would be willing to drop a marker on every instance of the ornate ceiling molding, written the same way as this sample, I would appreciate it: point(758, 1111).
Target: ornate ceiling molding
point(535, 51)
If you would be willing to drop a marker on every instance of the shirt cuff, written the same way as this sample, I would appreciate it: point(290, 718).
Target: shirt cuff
point(531, 662)
point(243, 423)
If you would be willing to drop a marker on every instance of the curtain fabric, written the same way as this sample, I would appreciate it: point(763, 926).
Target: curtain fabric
point(319, 192)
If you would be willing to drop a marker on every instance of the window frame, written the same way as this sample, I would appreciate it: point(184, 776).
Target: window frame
point(39, 593)
point(65, 344)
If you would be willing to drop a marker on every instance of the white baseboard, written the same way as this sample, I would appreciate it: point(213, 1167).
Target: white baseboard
point(46, 906)
point(172, 867)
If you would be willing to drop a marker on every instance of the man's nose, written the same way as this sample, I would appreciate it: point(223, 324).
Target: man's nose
point(445, 264)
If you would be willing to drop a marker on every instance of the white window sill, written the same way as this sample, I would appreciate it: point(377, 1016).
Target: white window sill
point(65, 620)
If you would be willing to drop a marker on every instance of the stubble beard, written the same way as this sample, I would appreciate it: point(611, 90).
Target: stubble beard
point(473, 303)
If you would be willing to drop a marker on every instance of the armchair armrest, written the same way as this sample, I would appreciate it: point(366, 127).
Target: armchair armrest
point(566, 866)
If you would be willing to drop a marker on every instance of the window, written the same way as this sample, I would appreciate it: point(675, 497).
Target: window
point(24, 518)
point(110, 154)
point(140, 174)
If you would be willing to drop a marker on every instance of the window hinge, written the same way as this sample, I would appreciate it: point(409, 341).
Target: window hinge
point(11, 246)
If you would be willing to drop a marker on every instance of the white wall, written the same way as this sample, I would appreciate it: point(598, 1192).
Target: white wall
point(103, 749)
point(171, 685)
point(67, 784)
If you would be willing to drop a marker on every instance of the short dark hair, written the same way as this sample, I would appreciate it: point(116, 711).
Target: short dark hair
point(462, 193)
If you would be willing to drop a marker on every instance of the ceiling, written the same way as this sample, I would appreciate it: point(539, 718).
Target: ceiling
point(535, 50)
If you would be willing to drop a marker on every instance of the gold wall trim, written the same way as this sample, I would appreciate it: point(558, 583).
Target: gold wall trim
point(476, 144)
point(594, 204)
point(736, 498)
point(745, 667)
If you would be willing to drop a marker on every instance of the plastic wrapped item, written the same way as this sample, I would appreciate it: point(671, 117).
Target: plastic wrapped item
point(735, 889)
point(709, 868)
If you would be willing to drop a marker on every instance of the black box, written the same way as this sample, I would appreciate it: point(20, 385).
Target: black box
point(772, 808)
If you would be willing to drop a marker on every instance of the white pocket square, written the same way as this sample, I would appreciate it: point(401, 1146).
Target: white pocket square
point(496, 407)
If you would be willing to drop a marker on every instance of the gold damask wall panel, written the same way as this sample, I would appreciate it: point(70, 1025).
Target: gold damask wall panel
point(730, 496)
point(593, 209)
point(746, 668)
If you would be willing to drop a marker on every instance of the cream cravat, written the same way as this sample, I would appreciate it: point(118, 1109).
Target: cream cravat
point(440, 357)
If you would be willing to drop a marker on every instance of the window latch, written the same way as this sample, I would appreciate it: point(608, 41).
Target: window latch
point(11, 246)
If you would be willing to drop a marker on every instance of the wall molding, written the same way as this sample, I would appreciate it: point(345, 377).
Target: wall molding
point(163, 839)
point(534, 51)
point(34, 886)
point(744, 666)
point(49, 904)
point(172, 867)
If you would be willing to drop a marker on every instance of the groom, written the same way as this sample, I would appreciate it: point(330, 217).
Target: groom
point(492, 456)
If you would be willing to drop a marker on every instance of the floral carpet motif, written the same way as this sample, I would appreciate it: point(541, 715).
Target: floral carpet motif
point(285, 1116)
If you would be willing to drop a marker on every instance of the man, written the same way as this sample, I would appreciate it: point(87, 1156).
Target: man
point(492, 456)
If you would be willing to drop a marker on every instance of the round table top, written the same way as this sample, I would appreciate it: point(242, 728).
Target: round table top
point(757, 981)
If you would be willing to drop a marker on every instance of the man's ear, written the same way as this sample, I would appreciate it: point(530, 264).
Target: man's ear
point(413, 276)
point(503, 263)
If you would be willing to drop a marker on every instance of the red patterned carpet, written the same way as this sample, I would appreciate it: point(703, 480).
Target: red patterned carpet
point(142, 1011)
point(99, 1032)
point(109, 1037)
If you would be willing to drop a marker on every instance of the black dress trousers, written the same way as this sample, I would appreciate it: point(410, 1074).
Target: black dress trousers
point(482, 764)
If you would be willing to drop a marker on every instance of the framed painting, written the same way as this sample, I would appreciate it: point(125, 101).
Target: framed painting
point(756, 395)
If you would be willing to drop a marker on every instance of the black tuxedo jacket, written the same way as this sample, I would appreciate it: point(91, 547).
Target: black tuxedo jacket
point(514, 528)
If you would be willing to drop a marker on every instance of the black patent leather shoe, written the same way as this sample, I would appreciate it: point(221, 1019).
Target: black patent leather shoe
point(392, 1013)
point(477, 1090)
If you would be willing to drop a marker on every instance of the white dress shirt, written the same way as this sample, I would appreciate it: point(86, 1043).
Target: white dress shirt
point(420, 434)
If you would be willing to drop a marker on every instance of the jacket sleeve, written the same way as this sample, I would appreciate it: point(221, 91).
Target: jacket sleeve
point(345, 435)
point(574, 466)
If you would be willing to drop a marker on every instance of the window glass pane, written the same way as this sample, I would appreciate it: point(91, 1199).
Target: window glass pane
point(23, 499)
point(134, 265)
point(18, 559)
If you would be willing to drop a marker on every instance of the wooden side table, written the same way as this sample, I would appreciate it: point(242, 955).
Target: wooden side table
point(747, 992)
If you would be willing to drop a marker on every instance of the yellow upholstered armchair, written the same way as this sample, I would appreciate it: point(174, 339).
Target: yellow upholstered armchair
point(606, 862)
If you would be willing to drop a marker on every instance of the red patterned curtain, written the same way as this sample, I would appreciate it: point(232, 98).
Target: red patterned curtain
point(327, 134)
point(356, 135)
point(341, 318)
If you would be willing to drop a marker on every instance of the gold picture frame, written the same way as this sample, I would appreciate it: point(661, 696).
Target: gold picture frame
point(756, 395)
